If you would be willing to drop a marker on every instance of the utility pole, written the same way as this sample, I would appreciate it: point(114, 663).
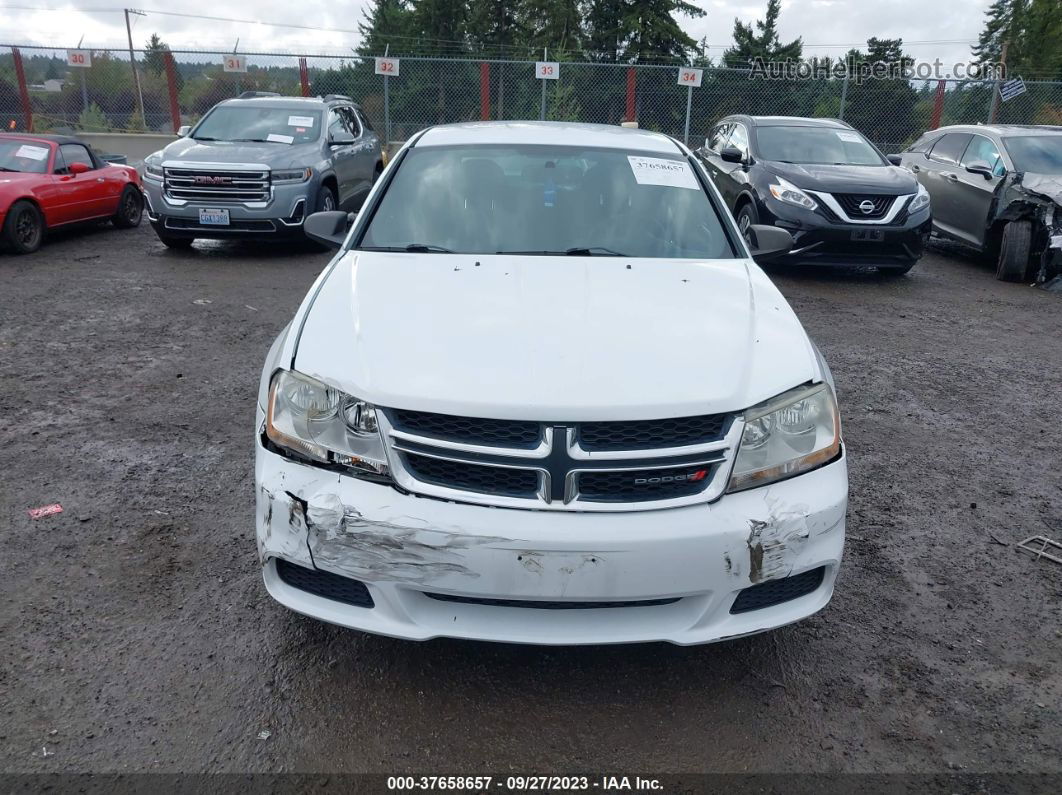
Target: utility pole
point(993, 106)
point(132, 61)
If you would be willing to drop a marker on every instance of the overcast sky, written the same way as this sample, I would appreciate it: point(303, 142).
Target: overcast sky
point(829, 27)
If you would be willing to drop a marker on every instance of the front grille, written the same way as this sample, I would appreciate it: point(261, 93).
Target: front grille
point(775, 592)
point(217, 186)
point(542, 605)
point(850, 204)
point(645, 484)
point(470, 430)
point(477, 478)
point(325, 584)
point(650, 434)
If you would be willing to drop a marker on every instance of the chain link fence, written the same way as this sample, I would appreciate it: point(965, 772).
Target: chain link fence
point(47, 89)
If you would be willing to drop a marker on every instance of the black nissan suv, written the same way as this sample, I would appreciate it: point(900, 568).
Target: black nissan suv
point(821, 180)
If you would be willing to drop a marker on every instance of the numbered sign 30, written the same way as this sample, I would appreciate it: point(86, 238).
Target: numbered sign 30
point(387, 66)
point(79, 58)
point(547, 70)
point(690, 77)
point(235, 63)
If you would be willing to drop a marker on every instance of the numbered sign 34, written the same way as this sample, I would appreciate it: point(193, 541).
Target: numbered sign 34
point(79, 58)
point(690, 77)
point(547, 70)
point(387, 66)
point(235, 63)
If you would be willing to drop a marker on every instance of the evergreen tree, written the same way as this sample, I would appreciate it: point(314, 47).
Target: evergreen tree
point(749, 44)
point(653, 34)
point(385, 22)
point(556, 24)
point(440, 25)
point(604, 30)
point(154, 54)
point(998, 22)
point(495, 25)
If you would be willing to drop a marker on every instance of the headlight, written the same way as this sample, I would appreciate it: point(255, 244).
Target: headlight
point(153, 165)
point(316, 422)
point(920, 200)
point(790, 434)
point(293, 175)
point(790, 194)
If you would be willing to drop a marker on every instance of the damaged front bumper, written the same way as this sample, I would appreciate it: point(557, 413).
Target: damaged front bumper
point(433, 568)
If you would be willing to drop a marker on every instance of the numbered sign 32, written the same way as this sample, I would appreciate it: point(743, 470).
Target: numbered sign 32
point(235, 63)
point(387, 66)
point(79, 58)
point(690, 77)
point(547, 70)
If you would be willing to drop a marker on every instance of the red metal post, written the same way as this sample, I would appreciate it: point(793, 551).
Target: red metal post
point(484, 91)
point(938, 106)
point(23, 89)
point(171, 81)
point(632, 81)
point(304, 77)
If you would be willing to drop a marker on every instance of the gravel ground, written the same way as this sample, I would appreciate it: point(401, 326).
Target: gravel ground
point(137, 635)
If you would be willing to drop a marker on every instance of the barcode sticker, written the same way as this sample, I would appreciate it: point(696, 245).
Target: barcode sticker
point(280, 139)
point(661, 171)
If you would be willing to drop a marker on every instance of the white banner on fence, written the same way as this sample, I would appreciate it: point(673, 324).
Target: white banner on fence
point(690, 77)
point(1011, 88)
point(387, 66)
point(79, 58)
point(235, 63)
point(547, 70)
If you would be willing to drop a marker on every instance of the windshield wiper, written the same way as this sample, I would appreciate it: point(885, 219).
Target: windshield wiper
point(414, 248)
point(202, 138)
point(255, 141)
point(578, 251)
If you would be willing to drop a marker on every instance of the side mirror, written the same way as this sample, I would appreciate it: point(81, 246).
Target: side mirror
point(731, 154)
point(708, 144)
point(183, 130)
point(896, 160)
point(341, 138)
point(768, 242)
point(980, 168)
point(79, 168)
point(329, 228)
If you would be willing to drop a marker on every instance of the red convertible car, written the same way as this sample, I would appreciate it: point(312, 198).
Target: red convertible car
point(49, 181)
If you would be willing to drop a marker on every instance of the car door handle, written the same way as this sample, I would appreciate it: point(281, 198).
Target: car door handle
point(949, 176)
point(99, 179)
point(916, 168)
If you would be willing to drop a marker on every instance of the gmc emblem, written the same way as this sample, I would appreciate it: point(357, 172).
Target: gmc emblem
point(691, 477)
point(201, 179)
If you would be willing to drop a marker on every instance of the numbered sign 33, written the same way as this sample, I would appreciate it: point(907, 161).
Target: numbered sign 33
point(235, 63)
point(547, 70)
point(690, 77)
point(387, 66)
point(79, 58)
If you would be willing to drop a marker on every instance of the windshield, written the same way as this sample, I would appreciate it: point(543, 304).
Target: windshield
point(1040, 154)
point(27, 156)
point(549, 201)
point(816, 146)
point(275, 125)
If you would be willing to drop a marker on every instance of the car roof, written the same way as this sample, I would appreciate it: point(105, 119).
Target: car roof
point(42, 137)
point(286, 102)
point(549, 133)
point(792, 121)
point(1005, 130)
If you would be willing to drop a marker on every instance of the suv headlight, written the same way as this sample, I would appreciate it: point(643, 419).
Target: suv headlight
point(293, 175)
point(153, 165)
point(920, 200)
point(316, 422)
point(793, 433)
point(790, 194)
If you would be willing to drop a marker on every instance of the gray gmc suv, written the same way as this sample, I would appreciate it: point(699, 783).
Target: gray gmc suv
point(257, 165)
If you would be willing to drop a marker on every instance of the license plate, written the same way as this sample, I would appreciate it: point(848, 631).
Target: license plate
point(868, 234)
point(214, 217)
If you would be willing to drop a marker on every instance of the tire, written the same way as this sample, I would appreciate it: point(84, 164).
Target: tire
point(746, 217)
point(24, 227)
point(175, 242)
point(130, 209)
point(1013, 262)
point(897, 270)
point(326, 200)
point(376, 172)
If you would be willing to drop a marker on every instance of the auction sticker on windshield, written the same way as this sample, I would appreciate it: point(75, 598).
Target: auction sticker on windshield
point(32, 152)
point(300, 121)
point(850, 137)
point(277, 138)
point(661, 171)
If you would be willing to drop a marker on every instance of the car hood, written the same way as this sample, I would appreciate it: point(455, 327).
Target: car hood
point(1046, 185)
point(189, 150)
point(888, 180)
point(553, 338)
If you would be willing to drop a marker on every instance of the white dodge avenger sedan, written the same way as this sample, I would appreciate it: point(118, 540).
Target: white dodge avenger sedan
point(543, 394)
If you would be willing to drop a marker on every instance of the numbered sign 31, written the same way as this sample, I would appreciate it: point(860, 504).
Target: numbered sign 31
point(387, 66)
point(79, 58)
point(235, 63)
point(547, 70)
point(690, 77)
